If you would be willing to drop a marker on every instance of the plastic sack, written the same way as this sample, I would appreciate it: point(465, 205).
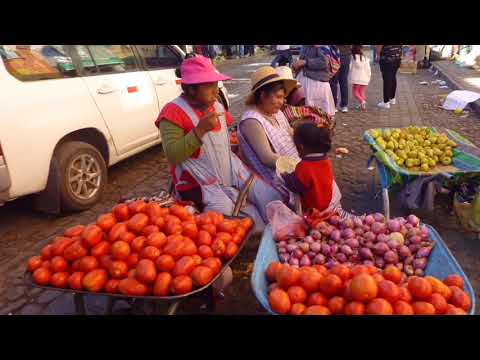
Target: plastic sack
point(467, 215)
point(285, 223)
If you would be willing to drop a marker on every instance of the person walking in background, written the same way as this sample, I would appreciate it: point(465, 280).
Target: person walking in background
point(390, 58)
point(360, 74)
point(284, 56)
point(315, 67)
point(341, 77)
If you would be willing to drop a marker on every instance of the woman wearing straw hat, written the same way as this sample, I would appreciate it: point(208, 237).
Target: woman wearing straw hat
point(194, 129)
point(264, 133)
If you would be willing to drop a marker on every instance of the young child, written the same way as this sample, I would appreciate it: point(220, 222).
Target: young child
point(360, 74)
point(313, 178)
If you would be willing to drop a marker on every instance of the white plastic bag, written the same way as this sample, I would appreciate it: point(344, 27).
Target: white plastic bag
point(285, 223)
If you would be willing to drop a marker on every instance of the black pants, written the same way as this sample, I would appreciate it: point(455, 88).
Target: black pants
point(389, 75)
point(341, 78)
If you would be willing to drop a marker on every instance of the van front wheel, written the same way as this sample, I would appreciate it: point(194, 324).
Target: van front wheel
point(83, 175)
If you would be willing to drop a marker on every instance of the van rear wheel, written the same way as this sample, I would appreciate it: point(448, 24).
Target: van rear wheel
point(83, 175)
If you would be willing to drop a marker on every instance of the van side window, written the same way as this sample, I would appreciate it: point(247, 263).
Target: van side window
point(37, 62)
point(106, 59)
point(159, 56)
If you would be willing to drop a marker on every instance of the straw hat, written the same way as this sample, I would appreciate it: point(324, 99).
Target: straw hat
point(266, 75)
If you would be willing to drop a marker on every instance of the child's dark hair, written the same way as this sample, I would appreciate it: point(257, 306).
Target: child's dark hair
point(357, 50)
point(313, 139)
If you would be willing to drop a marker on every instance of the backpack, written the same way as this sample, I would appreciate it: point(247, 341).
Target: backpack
point(333, 56)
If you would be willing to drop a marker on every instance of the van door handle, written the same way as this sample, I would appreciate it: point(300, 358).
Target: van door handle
point(105, 89)
point(160, 81)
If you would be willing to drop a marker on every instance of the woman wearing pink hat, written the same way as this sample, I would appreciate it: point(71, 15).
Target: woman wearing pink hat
point(194, 129)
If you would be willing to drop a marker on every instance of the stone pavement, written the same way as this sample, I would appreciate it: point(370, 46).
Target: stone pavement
point(23, 233)
point(460, 78)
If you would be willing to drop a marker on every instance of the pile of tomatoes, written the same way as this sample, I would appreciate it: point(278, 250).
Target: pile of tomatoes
point(362, 290)
point(141, 249)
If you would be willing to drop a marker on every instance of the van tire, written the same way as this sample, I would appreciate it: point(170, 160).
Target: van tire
point(70, 156)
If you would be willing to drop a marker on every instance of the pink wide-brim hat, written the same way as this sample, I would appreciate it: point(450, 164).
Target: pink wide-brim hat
point(200, 70)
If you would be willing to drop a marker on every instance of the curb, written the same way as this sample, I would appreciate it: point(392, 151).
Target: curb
point(475, 106)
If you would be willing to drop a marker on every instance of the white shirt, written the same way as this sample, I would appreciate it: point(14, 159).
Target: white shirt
point(283, 47)
point(360, 71)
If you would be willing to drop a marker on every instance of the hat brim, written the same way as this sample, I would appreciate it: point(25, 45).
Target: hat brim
point(289, 84)
point(204, 78)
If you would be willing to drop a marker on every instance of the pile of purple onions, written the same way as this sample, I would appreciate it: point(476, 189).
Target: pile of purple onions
point(364, 240)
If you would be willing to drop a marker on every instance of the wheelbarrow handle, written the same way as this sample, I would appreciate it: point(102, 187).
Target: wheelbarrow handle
point(242, 195)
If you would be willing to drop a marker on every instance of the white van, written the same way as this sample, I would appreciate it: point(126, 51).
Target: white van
point(67, 112)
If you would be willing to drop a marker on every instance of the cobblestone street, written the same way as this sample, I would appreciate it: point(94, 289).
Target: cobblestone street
point(24, 232)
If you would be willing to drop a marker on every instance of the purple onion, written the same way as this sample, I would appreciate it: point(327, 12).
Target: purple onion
point(297, 253)
point(282, 244)
point(369, 220)
point(353, 243)
point(358, 222)
point(326, 250)
point(368, 262)
point(359, 231)
point(348, 223)
point(294, 261)
point(284, 258)
point(317, 235)
point(282, 250)
point(390, 257)
point(305, 261)
point(370, 245)
point(311, 254)
point(409, 270)
point(381, 248)
point(308, 239)
point(404, 252)
point(366, 228)
point(413, 220)
point(403, 230)
point(415, 240)
point(399, 266)
point(341, 257)
point(304, 246)
point(347, 250)
point(393, 225)
point(334, 249)
point(409, 226)
point(423, 252)
point(319, 259)
point(316, 247)
point(291, 247)
point(348, 233)
point(335, 220)
point(355, 258)
point(379, 217)
point(292, 241)
point(378, 228)
point(335, 235)
point(380, 262)
point(382, 238)
point(327, 231)
point(420, 263)
point(409, 260)
point(370, 236)
point(424, 231)
point(393, 244)
point(419, 272)
point(414, 248)
point(366, 253)
point(331, 263)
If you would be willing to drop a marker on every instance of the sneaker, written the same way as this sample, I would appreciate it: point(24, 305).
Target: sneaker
point(363, 106)
point(336, 110)
point(393, 101)
point(383, 105)
point(344, 109)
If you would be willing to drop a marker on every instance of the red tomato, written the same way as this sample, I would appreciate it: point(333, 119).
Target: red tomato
point(180, 211)
point(137, 223)
point(127, 237)
point(105, 261)
point(60, 244)
point(42, 276)
point(157, 239)
point(218, 247)
point(120, 250)
point(165, 263)
point(159, 222)
point(198, 259)
point(75, 280)
point(162, 285)
point(133, 287)
point(202, 275)
point(46, 252)
point(111, 287)
point(182, 284)
point(190, 230)
point(116, 232)
point(118, 269)
point(230, 251)
point(204, 238)
point(153, 210)
point(58, 264)
point(150, 229)
point(88, 263)
point(213, 263)
point(75, 251)
point(150, 252)
point(92, 235)
point(211, 229)
point(102, 248)
point(95, 280)
point(172, 228)
point(132, 260)
point(145, 271)
point(138, 243)
point(74, 231)
point(34, 263)
point(59, 280)
point(184, 266)
point(121, 212)
point(106, 221)
point(175, 249)
point(189, 247)
point(138, 206)
point(205, 251)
